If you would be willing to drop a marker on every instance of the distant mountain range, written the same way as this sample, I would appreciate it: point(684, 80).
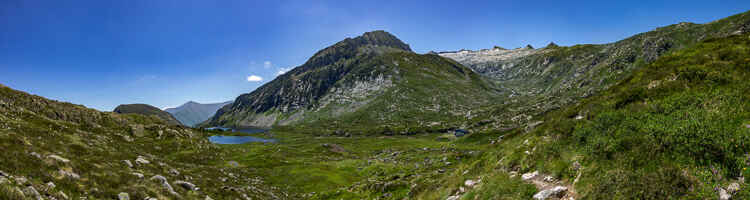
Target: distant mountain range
point(192, 113)
point(146, 109)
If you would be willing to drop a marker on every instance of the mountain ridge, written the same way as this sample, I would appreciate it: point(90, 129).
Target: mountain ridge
point(192, 113)
point(148, 110)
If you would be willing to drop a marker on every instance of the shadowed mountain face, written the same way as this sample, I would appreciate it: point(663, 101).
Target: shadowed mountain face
point(148, 110)
point(192, 113)
point(372, 79)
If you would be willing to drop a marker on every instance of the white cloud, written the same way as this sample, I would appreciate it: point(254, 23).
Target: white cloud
point(283, 70)
point(254, 78)
point(267, 64)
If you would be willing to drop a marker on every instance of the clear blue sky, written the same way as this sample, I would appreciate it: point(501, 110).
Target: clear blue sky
point(102, 53)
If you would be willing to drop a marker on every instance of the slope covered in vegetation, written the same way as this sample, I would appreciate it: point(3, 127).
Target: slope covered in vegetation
point(677, 128)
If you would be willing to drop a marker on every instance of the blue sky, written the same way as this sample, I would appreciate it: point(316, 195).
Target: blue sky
point(164, 53)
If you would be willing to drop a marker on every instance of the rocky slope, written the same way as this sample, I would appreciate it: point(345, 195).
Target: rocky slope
point(677, 128)
point(57, 150)
point(192, 113)
point(548, 78)
point(148, 110)
point(372, 80)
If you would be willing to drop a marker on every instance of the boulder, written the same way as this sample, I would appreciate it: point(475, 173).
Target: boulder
point(556, 192)
point(139, 175)
point(530, 175)
point(3, 174)
point(733, 188)
point(186, 185)
point(123, 196)
point(69, 174)
point(50, 185)
point(724, 195)
point(62, 195)
point(142, 161)
point(161, 179)
point(20, 180)
point(31, 191)
point(470, 183)
point(454, 197)
point(128, 163)
point(35, 154)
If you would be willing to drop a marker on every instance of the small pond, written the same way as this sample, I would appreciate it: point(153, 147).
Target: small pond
point(222, 139)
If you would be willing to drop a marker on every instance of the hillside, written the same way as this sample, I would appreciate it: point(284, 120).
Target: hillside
point(372, 82)
point(148, 110)
point(677, 128)
point(548, 78)
point(57, 150)
point(193, 113)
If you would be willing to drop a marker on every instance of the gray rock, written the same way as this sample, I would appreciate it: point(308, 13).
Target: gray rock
point(142, 161)
point(3, 174)
point(123, 196)
point(36, 155)
point(31, 191)
point(20, 180)
point(128, 163)
point(139, 175)
point(530, 175)
point(186, 185)
point(62, 195)
point(161, 179)
point(454, 197)
point(50, 185)
point(549, 179)
point(174, 172)
point(69, 174)
point(723, 195)
point(557, 192)
point(58, 158)
point(470, 183)
point(733, 188)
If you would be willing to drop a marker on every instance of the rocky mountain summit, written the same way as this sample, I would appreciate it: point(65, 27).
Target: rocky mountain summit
point(192, 113)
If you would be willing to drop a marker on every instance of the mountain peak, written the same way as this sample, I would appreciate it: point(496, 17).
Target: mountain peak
point(382, 38)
